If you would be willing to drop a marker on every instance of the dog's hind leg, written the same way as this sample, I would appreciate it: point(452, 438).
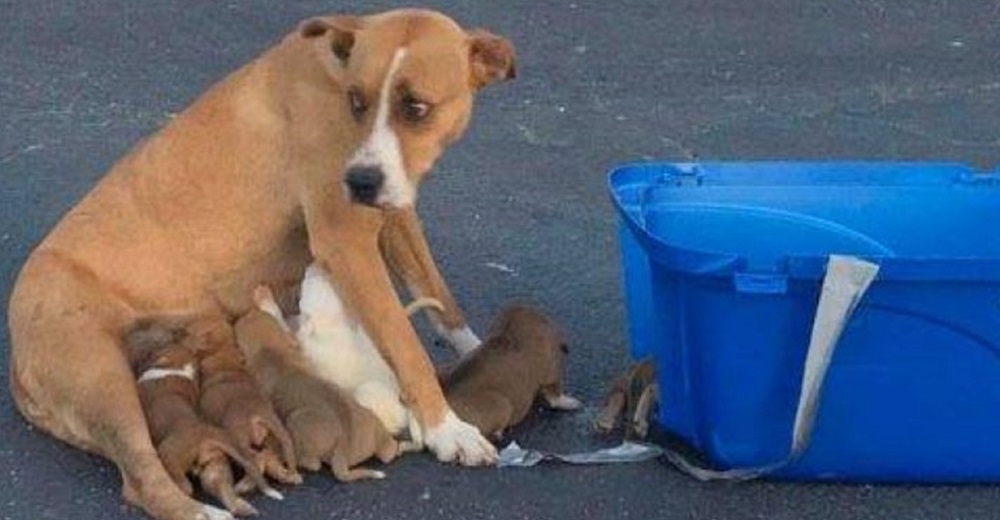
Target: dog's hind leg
point(177, 456)
point(275, 465)
point(118, 432)
point(389, 449)
point(217, 480)
point(263, 439)
point(73, 380)
point(219, 447)
point(343, 473)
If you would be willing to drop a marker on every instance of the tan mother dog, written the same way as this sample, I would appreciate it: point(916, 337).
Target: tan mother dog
point(315, 149)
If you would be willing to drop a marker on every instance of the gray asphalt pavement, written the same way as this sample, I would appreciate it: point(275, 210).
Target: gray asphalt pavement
point(518, 210)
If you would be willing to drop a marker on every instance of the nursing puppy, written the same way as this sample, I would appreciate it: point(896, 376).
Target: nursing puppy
point(523, 357)
point(340, 351)
point(326, 425)
point(231, 399)
point(168, 390)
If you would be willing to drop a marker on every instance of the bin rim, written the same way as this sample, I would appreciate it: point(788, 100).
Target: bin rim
point(630, 177)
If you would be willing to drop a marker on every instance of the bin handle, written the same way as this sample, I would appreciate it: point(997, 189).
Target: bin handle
point(845, 284)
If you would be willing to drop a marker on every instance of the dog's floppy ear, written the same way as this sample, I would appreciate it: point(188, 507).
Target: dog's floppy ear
point(491, 58)
point(339, 30)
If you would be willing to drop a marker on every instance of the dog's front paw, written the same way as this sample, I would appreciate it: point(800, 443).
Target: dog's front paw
point(455, 439)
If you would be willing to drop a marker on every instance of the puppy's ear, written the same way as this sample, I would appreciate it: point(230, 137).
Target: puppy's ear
point(339, 30)
point(491, 58)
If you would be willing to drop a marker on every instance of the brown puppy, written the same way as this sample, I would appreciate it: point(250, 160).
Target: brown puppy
point(495, 386)
point(231, 399)
point(168, 390)
point(328, 426)
point(314, 150)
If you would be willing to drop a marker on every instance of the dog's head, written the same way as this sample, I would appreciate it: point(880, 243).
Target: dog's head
point(406, 80)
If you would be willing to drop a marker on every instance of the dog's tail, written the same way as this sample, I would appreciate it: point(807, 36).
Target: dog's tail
point(424, 302)
point(244, 461)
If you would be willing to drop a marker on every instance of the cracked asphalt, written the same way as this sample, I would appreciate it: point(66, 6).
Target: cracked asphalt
point(518, 210)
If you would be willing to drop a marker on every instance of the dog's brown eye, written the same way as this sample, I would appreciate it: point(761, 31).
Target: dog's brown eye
point(413, 109)
point(359, 105)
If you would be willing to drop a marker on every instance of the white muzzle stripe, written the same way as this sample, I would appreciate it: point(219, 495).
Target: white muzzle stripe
point(382, 149)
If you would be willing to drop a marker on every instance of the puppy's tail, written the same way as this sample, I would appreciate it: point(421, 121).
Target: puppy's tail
point(424, 302)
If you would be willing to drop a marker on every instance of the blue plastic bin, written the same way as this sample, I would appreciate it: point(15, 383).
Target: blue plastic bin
point(723, 265)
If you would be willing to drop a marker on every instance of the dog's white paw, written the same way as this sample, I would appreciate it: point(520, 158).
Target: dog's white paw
point(565, 402)
point(455, 439)
point(463, 340)
point(213, 513)
point(378, 475)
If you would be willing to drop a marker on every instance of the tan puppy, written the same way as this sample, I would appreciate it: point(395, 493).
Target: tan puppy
point(231, 399)
point(328, 426)
point(315, 149)
point(168, 389)
point(523, 358)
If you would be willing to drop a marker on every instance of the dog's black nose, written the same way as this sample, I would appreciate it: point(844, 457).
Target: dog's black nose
point(364, 183)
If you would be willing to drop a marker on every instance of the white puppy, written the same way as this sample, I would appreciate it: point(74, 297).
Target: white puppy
point(340, 351)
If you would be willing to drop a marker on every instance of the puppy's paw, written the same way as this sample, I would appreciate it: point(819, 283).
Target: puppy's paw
point(240, 507)
point(275, 468)
point(213, 513)
point(565, 402)
point(272, 493)
point(454, 440)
